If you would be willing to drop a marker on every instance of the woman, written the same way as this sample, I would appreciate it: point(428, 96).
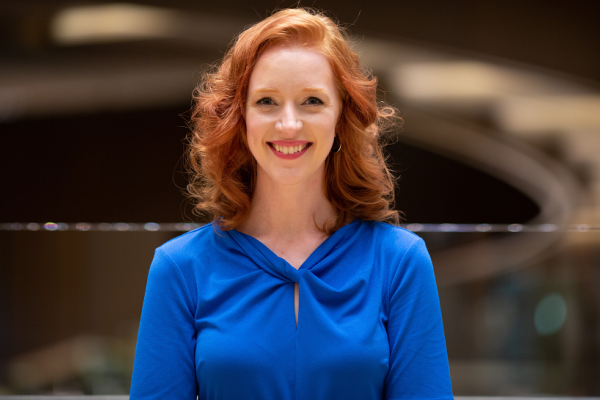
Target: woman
point(297, 290)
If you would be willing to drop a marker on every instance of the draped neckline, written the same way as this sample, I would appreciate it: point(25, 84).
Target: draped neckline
point(278, 266)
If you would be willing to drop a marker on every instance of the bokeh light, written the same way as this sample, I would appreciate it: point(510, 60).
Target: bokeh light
point(152, 226)
point(550, 314)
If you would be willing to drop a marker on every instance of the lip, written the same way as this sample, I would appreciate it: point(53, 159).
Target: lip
point(289, 143)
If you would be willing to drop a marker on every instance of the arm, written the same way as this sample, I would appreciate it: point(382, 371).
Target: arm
point(418, 365)
point(164, 355)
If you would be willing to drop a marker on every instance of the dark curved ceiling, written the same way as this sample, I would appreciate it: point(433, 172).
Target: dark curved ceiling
point(558, 35)
point(127, 167)
point(105, 166)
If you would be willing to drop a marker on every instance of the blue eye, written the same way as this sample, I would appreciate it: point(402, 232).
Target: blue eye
point(314, 101)
point(266, 101)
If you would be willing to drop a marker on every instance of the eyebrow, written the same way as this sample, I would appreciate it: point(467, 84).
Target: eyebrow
point(314, 89)
point(265, 90)
point(306, 89)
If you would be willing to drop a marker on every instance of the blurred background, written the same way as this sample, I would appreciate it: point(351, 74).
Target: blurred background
point(499, 158)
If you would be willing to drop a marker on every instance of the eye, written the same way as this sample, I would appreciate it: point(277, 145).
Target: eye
point(266, 101)
point(313, 101)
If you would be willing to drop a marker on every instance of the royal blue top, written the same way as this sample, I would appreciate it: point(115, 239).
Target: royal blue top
point(218, 320)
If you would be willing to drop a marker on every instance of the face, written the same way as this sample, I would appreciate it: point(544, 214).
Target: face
point(292, 109)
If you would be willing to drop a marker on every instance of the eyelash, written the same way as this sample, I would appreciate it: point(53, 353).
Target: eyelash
point(320, 102)
point(264, 101)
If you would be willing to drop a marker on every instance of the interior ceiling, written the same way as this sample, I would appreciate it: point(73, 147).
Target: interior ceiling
point(558, 35)
point(43, 77)
point(488, 55)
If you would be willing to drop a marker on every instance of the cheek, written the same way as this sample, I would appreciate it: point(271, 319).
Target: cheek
point(328, 124)
point(250, 135)
point(255, 134)
point(255, 127)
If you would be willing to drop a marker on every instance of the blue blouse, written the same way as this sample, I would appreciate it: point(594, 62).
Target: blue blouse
point(218, 320)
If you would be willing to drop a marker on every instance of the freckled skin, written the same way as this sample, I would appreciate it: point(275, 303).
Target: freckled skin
point(292, 95)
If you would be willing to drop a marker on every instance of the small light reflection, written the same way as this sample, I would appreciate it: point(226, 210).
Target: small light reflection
point(548, 227)
point(550, 314)
point(515, 227)
point(184, 226)
point(483, 227)
point(32, 226)
point(104, 226)
point(83, 226)
point(583, 227)
point(414, 227)
point(448, 227)
point(122, 226)
point(151, 226)
point(50, 226)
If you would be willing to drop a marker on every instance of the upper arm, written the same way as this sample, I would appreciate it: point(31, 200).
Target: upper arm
point(164, 360)
point(418, 358)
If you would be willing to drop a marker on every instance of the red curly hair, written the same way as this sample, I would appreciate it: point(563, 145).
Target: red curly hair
point(223, 171)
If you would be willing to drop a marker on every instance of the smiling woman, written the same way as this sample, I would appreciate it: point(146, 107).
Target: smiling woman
point(298, 289)
point(219, 146)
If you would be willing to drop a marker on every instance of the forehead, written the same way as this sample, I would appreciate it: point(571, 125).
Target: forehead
point(292, 51)
point(291, 63)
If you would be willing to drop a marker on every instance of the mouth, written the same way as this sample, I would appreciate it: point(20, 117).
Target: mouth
point(289, 148)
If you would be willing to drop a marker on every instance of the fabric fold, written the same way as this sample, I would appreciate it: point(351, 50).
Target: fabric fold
point(280, 268)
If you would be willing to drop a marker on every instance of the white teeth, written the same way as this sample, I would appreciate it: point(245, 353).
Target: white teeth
point(290, 149)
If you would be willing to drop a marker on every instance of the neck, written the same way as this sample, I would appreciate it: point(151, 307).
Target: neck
point(289, 211)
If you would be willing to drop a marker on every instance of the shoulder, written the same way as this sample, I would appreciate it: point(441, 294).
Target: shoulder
point(182, 255)
point(189, 243)
point(403, 253)
point(177, 261)
point(393, 238)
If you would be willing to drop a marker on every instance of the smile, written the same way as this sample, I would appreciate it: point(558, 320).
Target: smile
point(289, 150)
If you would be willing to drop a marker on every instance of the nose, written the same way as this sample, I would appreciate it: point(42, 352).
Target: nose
point(289, 123)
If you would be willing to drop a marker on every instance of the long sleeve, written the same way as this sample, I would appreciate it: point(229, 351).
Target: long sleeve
point(164, 359)
point(418, 365)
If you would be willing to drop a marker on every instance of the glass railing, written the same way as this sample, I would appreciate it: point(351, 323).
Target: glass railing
point(520, 303)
